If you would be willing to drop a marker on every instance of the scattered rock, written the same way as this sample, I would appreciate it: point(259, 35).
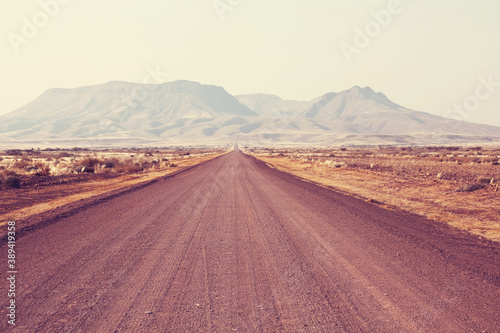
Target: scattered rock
point(83, 169)
point(30, 168)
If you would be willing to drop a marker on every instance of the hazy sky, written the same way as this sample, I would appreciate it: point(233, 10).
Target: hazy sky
point(441, 57)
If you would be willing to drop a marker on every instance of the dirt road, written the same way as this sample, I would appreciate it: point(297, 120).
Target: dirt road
point(235, 246)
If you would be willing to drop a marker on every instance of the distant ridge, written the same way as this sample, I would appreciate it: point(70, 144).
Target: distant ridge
point(185, 112)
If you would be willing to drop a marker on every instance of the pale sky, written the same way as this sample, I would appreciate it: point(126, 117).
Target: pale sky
point(426, 55)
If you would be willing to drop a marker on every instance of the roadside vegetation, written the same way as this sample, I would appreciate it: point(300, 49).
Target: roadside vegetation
point(33, 181)
point(457, 185)
point(25, 167)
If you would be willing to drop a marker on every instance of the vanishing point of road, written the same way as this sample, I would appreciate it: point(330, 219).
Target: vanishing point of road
point(233, 245)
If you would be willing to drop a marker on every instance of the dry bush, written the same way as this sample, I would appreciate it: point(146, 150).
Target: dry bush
point(127, 167)
point(43, 169)
point(14, 152)
point(64, 154)
point(109, 163)
point(7, 173)
point(90, 162)
point(471, 187)
point(21, 164)
point(485, 180)
point(12, 181)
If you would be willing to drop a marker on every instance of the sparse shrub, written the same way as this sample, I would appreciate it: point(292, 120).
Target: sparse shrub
point(484, 180)
point(7, 173)
point(471, 187)
point(127, 168)
point(21, 164)
point(43, 170)
point(90, 162)
point(12, 181)
point(64, 154)
point(14, 152)
point(109, 164)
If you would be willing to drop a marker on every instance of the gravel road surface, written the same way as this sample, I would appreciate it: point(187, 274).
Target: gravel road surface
point(236, 246)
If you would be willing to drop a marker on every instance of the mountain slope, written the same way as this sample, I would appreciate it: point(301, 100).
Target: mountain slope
point(189, 112)
point(121, 109)
point(272, 105)
point(362, 111)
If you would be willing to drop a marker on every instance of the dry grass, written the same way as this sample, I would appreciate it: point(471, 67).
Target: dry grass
point(57, 162)
point(454, 186)
point(137, 168)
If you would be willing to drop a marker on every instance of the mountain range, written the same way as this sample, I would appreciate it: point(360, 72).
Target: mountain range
point(184, 112)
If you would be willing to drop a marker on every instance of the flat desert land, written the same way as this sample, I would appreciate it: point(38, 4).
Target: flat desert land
point(37, 181)
point(233, 245)
point(454, 185)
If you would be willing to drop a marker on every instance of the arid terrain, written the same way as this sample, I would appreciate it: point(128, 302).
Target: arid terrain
point(455, 185)
point(233, 245)
point(35, 181)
